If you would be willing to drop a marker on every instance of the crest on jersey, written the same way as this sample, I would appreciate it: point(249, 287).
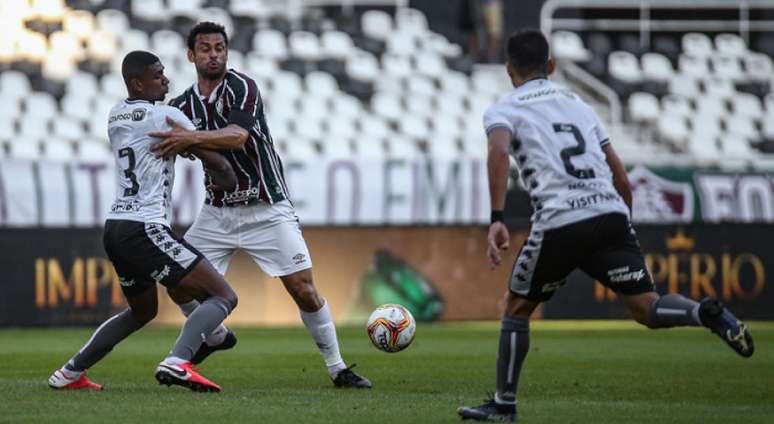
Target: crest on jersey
point(219, 105)
point(657, 199)
point(138, 114)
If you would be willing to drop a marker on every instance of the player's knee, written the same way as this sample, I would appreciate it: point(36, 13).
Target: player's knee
point(144, 316)
point(231, 298)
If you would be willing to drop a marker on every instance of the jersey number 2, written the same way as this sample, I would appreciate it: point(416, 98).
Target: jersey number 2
point(575, 150)
point(128, 152)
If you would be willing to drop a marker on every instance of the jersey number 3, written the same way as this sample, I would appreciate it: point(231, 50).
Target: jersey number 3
point(128, 152)
point(575, 150)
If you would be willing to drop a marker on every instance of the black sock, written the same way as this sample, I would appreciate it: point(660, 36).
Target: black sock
point(674, 310)
point(105, 337)
point(514, 345)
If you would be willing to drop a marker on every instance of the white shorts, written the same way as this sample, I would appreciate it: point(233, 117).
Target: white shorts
point(270, 234)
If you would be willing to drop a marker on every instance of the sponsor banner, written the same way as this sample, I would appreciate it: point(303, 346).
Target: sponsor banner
point(728, 262)
point(61, 277)
point(325, 192)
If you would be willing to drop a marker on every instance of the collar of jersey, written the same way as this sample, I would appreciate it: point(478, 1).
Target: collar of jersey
point(131, 102)
point(215, 92)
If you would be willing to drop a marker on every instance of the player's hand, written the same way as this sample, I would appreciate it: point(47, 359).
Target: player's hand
point(499, 240)
point(175, 141)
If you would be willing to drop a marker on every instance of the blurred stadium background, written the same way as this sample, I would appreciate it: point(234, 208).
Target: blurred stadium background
point(376, 107)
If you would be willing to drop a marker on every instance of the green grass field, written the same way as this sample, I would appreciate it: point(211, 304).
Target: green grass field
point(576, 372)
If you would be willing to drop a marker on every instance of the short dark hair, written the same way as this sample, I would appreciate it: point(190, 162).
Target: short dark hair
point(135, 63)
point(205, 27)
point(528, 52)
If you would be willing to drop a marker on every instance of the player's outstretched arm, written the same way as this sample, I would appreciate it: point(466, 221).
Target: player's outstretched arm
point(218, 167)
point(620, 179)
point(179, 139)
point(497, 166)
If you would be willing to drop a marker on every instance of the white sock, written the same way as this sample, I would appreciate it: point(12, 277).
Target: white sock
point(218, 334)
point(320, 325)
point(174, 360)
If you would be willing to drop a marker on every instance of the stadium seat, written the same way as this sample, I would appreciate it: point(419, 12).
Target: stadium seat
point(270, 43)
point(79, 23)
point(259, 66)
point(133, 40)
point(676, 105)
point(219, 15)
point(454, 82)
point(40, 104)
point(418, 105)
point(7, 129)
point(363, 66)
point(304, 45)
point(249, 8)
point(767, 127)
point(420, 85)
point(758, 66)
point(188, 8)
point(673, 129)
point(27, 149)
point(693, 66)
point(14, 84)
point(402, 44)
point(727, 67)
point(397, 66)
point(149, 10)
point(10, 107)
point(168, 45)
point(69, 129)
point(34, 126)
point(643, 107)
point(377, 24)
point(287, 84)
point(113, 21)
point(697, 45)
point(310, 127)
point(372, 127)
point(58, 150)
point(321, 84)
point(32, 46)
point(101, 46)
point(748, 105)
point(566, 45)
point(347, 106)
point(720, 87)
point(387, 106)
point(704, 148)
point(300, 149)
point(448, 104)
point(95, 150)
point(402, 148)
point(58, 67)
point(370, 148)
point(76, 106)
point(656, 67)
point(624, 66)
point(113, 85)
point(741, 126)
point(414, 126)
point(67, 45)
point(430, 64)
point(711, 107)
point(736, 147)
point(410, 21)
point(730, 44)
point(336, 44)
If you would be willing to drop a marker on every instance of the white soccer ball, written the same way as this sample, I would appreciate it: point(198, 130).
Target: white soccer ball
point(391, 328)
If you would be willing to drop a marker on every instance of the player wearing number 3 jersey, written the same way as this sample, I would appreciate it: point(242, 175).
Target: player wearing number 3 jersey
point(139, 242)
point(581, 200)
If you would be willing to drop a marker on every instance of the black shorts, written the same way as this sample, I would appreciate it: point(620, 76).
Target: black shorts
point(604, 247)
point(146, 254)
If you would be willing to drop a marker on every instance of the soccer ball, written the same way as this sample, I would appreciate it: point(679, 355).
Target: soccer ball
point(391, 328)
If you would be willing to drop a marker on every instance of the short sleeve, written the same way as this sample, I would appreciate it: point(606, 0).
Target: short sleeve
point(177, 115)
point(247, 101)
point(495, 117)
point(601, 133)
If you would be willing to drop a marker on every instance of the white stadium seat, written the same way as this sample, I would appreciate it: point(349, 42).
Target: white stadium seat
point(624, 66)
point(372, 127)
point(58, 67)
point(151, 10)
point(730, 44)
point(40, 104)
point(656, 67)
point(304, 45)
point(673, 129)
point(76, 106)
point(95, 150)
point(7, 129)
point(346, 106)
point(717, 86)
point(704, 147)
point(454, 82)
point(420, 85)
point(10, 107)
point(418, 105)
point(569, 46)
point(113, 21)
point(693, 66)
point(697, 45)
point(758, 66)
point(133, 40)
point(249, 8)
point(14, 84)
point(396, 65)
point(387, 105)
point(216, 14)
point(168, 44)
point(321, 84)
point(736, 147)
point(676, 105)
point(336, 44)
point(337, 148)
point(415, 127)
point(34, 126)
point(188, 8)
point(430, 64)
point(23, 148)
point(644, 107)
point(58, 150)
point(80, 23)
point(402, 148)
point(748, 105)
point(270, 43)
point(402, 44)
point(300, 149)
point(727, 67)
point(711, 107)
point(410, 20)
point(259, 66)
point(741, 126)
point(706, 126)
point(287, 84)
point(363, 66)
point(377, 24)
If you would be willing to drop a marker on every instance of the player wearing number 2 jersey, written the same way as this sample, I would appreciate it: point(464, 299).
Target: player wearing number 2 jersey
point(141, 245)
point(581, 200)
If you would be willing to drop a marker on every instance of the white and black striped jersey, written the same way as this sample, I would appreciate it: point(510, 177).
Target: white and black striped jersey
point(144, 181)
point(557, 142)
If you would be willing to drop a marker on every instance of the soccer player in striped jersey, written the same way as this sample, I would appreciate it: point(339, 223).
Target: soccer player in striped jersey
point(139, 242)
point(581, 200)
point(258, 216)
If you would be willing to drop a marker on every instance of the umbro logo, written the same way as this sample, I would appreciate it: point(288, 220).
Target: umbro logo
point(299, 258)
